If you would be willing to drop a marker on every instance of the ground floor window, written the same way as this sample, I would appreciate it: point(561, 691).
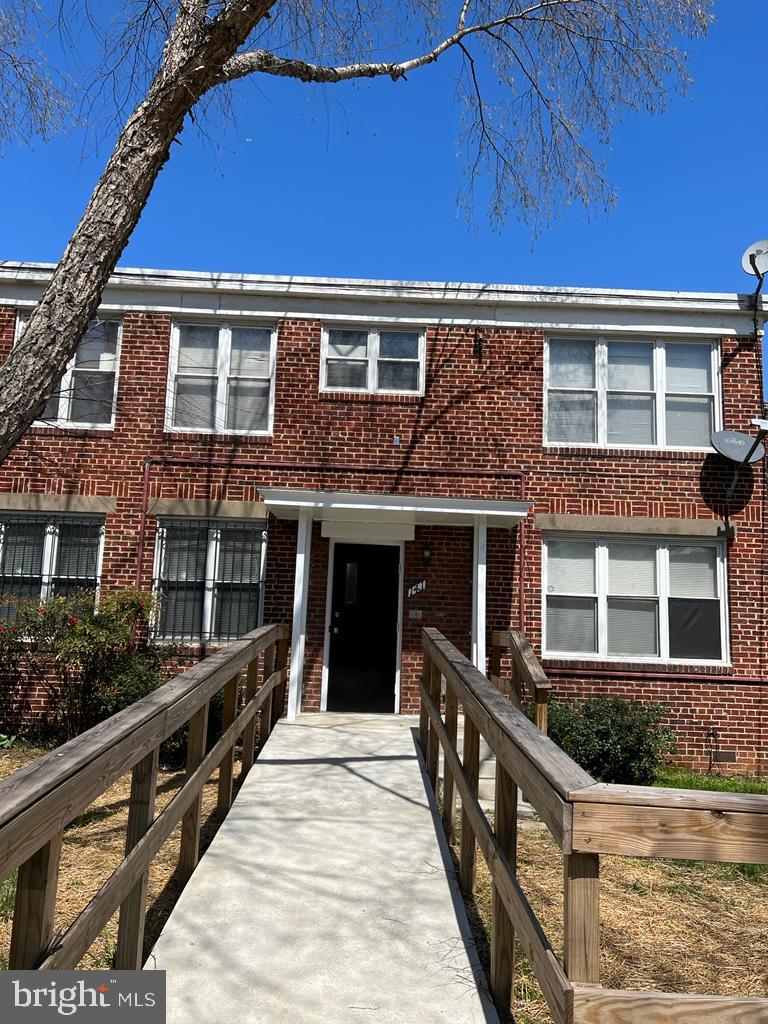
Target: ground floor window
point(627, 597)
point(209, 578)
point(43, 556)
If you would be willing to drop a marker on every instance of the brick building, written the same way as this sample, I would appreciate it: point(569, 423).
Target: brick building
point(364, 458)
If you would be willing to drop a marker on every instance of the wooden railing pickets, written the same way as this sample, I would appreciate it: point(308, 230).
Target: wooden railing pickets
point(449, 789)
point(227, 766)
point(249, 733)
point(35, 905)
point(141, 811)
point(38, 802)
point(586, 819)
point(503, 936)
point(528, 681)
point(433, 746)
point(192, 822)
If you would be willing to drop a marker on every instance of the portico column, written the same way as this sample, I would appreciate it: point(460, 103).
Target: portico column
point(300, 601)
point(478, 592)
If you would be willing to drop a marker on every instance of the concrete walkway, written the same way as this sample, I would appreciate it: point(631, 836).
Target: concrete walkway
point(327, 895)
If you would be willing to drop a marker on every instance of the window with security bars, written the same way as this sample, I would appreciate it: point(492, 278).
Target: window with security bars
point(380, 360)
point(209, 578)
point(644, 394)
point(222, 378)
point(86, 395)
point(633, 599)
point(42, 557)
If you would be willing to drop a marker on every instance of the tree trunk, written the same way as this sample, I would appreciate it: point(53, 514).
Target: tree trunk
point(191, 65)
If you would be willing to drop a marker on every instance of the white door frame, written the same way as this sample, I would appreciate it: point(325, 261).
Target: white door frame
point(328, 599)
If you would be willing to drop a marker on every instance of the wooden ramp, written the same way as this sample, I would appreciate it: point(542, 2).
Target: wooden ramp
point(327, 896)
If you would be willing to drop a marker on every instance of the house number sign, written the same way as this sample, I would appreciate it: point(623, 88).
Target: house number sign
point(417, 588)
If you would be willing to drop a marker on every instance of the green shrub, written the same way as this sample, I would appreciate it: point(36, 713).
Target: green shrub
point(616, 740)
point(91, 661)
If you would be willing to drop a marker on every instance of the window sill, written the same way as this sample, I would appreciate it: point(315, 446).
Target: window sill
point(46, 430)
point(617, 667)
point(659, 454)
point(382, 397)
point(211, 437)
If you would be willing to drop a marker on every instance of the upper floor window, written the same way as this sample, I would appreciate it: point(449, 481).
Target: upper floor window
point(208, 575)
point(639, 394)
point(221, 378)
point(377, 360)
point(86, 394)
point(634, 598)
point(42, 557)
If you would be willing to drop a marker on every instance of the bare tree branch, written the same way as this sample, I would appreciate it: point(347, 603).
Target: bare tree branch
point(543, 84)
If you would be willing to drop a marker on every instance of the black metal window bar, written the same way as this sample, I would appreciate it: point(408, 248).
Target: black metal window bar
point(44, 556)
point(209, 578)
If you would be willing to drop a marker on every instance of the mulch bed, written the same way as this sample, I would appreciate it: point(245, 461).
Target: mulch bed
point(94, 845)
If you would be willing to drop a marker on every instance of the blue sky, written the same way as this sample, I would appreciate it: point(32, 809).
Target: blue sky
point(362, 180)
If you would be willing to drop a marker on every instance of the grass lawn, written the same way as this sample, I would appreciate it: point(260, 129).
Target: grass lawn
point(680, 778)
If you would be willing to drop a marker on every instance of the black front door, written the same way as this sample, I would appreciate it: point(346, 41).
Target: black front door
point(362, 656)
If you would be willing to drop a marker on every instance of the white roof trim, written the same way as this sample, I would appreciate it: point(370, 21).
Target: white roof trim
point(449, 292)
point(340, 506)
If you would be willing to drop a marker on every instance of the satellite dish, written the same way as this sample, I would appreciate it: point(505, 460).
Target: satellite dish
point(736, 446)
point(758, 250)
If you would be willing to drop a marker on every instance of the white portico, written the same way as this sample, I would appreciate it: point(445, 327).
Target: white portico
point(381, 519)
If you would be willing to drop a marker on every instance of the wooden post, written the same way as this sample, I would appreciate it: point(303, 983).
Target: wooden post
point(471, 765)
point(433, 743)
point(542, 707)
point(129, 954)
point(35, 906)
point(449, 793)
point(503, 935)
point(265, 715)
point(582, 917)
point(249, 733)
point(227, 765)
point(423, 715)
point(280, 663)
point(495, 662)
point(190, 825)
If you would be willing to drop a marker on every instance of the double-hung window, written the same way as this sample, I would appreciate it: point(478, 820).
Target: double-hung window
point(632, 598)
point(209, 578)
point(42, 557)
point(86, 395)
point(376, 361)
point(644, 394)
point(222, 378)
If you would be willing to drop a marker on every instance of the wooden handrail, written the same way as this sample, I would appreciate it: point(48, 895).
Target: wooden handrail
point(528, 681)
point(586, 819)
point(38, 802)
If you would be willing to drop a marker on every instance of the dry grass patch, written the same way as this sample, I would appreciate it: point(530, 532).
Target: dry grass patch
point(675, 926)
point(94, 845)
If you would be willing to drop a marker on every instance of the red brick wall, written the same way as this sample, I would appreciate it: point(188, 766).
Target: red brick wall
point(480, 419)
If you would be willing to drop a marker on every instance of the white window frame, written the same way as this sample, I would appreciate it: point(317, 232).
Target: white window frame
point(213, 547)
point(50, 553)
point(662, 546)
point(372, 386)
point(659, 392)
point(62, 421)
point(222, 378)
